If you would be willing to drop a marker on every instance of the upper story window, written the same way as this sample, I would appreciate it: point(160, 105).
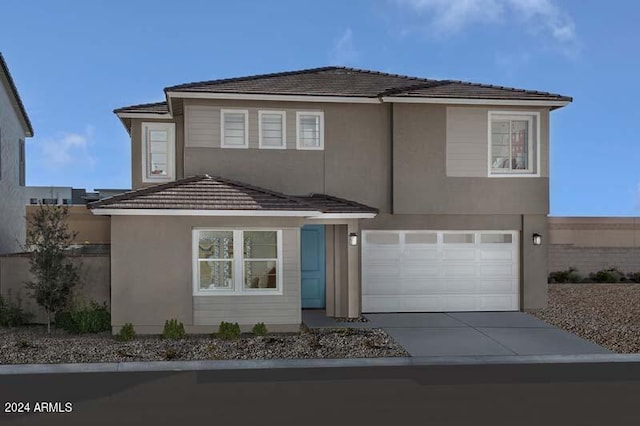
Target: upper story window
point(271, 129)
point(310, 130)
point(235, 128)
point(158, 147)
point(514, 145)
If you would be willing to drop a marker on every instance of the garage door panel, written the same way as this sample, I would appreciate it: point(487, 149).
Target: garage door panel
point(413, 271)
point(459, 254)
point(498, 254)
point(498, 303)
point(497, 286)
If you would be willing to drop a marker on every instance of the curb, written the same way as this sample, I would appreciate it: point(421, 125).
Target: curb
point(179, 366)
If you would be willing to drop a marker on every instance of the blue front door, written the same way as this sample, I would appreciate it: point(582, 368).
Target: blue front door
point(312, 248)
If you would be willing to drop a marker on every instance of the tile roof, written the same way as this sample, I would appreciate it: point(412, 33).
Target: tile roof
point(206, 192)
point(344, 81)
point(4, 69)
point(153, 108)
point(329, 204)
point(348, 82)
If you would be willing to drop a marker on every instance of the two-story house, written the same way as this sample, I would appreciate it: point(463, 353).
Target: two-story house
point(14, 128)
point(336, 188)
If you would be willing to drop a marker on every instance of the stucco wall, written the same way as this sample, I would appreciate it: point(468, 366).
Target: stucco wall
point(12, 224)
point(594, 243)
point(94, 273)
point(421, 184)
point(90, 228)
point(152, 276)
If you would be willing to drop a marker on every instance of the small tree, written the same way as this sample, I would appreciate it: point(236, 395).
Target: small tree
point(54, 276)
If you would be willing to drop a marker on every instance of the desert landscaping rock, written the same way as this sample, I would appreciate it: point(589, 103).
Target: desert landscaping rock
point(32, 345)
point(606, 314)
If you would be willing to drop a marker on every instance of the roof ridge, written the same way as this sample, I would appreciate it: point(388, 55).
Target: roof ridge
point(259, 189)
point(146, 190)
point(249, 77)
point(288, 73)
point(495, 86)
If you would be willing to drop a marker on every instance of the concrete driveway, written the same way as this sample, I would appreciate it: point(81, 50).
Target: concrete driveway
point(469, 333)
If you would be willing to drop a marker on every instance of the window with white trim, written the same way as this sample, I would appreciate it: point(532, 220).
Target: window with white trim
point(272, 129)
point(234, 128)
point(513, 143)
point(310, 130)
point(158, 147)
point(237, 262)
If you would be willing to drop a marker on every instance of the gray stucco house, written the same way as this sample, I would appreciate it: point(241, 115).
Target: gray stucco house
point(337, 188)
point(14, 128)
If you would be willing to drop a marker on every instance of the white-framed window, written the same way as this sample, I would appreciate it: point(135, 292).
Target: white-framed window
point(310, 130)
point(237, 262)
point(272, 129)
point(158, 148)
point(234, 128)
point(514, 145)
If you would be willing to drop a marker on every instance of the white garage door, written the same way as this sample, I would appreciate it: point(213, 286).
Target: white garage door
point(436, 271)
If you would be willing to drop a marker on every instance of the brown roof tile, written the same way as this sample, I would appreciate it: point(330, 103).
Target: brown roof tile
point(215, 193)
point(153, 108)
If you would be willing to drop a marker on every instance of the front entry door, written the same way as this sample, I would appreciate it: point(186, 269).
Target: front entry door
point(312, 249)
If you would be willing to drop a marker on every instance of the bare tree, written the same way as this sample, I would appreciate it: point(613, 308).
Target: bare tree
point(54, 276)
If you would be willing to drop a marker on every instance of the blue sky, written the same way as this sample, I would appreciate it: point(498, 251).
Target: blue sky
point(75, 61)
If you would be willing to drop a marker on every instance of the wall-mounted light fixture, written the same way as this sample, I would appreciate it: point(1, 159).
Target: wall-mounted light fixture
point(353, 239)
point(537, 239)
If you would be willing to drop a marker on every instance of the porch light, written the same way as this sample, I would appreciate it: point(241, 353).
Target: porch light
point(353, 239)
point(537, 239)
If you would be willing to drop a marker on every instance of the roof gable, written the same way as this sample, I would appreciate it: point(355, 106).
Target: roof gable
point(7, 80)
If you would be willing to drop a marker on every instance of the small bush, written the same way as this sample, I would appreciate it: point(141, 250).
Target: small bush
point(633, 277)
point(173, 329)
point(609, 275)
point(126, 333)
point(570, 275)
point(25, 344)
point(82, 319)
point(11, 313)
point(170, 353)
point(228, 331)
point(260, 329)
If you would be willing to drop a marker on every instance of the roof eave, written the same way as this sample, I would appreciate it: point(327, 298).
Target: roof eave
point(477, 101)
point(17, 101)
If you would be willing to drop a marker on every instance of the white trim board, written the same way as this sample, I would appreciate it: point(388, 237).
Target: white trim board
point(185, 212)
point(344, 216)
point(163, 116)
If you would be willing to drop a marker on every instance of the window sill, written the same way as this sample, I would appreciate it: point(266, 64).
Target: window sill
point(239, 293)
point(517, 175)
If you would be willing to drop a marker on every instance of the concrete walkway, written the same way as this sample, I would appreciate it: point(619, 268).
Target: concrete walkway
point(456, 334)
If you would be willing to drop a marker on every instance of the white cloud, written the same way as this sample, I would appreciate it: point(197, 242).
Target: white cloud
point(448, 17)
point(344, 51)
point(68, 148)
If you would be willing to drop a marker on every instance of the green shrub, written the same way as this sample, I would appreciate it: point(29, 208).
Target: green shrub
point(11, 313)
point(228, 331)
point(260, 329)
point(126, 333)
point(81, 319)
point(609, 275)
point(173, 329)
point(570, 275)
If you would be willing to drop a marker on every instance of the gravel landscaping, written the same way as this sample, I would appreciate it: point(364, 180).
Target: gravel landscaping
point(31, 344)
point(607, 314)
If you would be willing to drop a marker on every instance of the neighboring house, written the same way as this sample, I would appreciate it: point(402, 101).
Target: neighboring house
point(66, 195)
point(336, 188)
point(14, 128)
